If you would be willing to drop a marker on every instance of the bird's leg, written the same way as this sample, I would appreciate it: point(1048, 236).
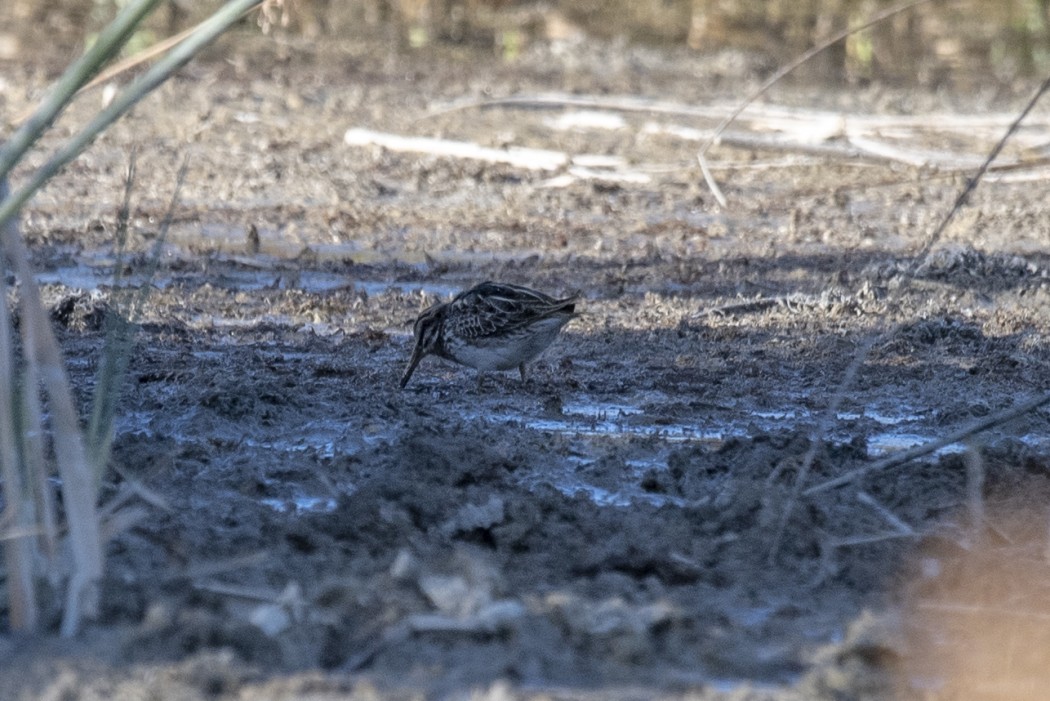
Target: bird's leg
point(521, 369)
point(481, 376)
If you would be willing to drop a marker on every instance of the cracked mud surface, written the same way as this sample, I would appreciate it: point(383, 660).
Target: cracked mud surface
point(630, 522)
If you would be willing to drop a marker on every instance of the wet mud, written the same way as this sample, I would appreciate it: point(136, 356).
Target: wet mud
point(633, 521)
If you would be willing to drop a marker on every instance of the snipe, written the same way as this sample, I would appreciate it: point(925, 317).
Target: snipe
point(493, 326)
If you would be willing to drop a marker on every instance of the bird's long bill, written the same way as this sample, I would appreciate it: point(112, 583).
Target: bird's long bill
point(417, 355)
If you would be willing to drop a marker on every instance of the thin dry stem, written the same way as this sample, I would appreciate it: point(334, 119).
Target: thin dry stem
point(1046, 544)
point(18, 512)
point(122, 521)
point(870, 539)
point(975, 490)
point(904, 456)
point(885, 513)
point(121, 326)
point(776, 77)
point(34, 454)
point(78, 485)
point(971, 184)
point(133, 487)
point(864, 350)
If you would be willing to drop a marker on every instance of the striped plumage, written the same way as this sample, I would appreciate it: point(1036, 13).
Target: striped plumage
point(493, 326)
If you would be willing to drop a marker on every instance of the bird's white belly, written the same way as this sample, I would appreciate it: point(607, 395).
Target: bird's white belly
point(507, 352)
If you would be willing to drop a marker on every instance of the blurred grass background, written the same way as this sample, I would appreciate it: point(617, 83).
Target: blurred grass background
point(961, 42)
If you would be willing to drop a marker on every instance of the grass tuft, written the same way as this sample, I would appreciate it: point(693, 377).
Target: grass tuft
point(28, 526)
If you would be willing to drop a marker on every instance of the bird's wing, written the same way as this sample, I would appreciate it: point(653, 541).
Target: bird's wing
point(494, 308)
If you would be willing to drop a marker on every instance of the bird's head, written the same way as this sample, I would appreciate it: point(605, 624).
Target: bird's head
point(427, 331)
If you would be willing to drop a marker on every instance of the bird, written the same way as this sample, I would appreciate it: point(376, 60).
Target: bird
point(492, 326)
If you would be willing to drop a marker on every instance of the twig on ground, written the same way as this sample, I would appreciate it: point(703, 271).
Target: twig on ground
point(925, 449)
point(239, 591)
point(210, 568)
point(749, 307)
point(133, 487)
point(575, 167)
point(886, 514)
point(122, 520)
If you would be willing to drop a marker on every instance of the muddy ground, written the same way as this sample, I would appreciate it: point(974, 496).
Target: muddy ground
point(632, 522)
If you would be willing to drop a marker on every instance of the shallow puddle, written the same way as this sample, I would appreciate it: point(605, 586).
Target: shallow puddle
point(245, 274)
point(594, 430)
point(597, 428)
point(301, 504)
